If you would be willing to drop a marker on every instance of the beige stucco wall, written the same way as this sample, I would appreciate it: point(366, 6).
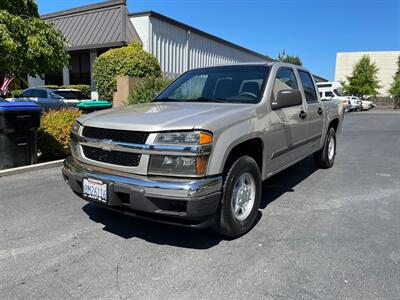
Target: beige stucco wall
point(386, 61)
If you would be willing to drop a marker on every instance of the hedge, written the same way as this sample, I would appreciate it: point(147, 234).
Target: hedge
point(54, 133)
point(49, 86)
point(15, 93)
point(131, 60)
point(146, 89)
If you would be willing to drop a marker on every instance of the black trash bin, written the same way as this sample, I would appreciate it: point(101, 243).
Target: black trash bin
point(18, 124)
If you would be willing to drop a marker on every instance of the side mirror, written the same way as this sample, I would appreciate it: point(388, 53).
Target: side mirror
point(287, 98)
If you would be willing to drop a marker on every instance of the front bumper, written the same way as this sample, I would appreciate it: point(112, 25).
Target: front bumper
point(189, 202)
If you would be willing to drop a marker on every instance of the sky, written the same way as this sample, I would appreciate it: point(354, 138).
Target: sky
point(315, 30)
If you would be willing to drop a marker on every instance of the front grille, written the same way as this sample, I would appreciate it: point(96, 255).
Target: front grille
point(124, 136)
point(112, 157)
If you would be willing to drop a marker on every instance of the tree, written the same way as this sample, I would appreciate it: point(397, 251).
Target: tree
point(23, 8)
point(131, 60)
point(395, 86)
point(28, 45)
point(363, 80)
point(291, 59)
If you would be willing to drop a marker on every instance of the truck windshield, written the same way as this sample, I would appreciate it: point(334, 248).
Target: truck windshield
point(230, 84)
point(338, 92)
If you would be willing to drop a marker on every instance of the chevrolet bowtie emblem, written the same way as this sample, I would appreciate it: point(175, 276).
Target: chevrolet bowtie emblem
point(107, 145)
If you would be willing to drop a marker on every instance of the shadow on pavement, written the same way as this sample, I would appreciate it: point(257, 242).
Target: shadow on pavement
point(286, 180)
point(163, 234)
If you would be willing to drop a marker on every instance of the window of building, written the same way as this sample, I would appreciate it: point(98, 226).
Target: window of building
point(54, 78)
point(80, 68)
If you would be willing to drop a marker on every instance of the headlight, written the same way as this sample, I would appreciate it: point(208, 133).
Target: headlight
point(178, 165)
point(184, 137)
point(181, 165)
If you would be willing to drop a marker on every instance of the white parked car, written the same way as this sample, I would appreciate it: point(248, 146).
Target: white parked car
point(366, 105)
point(333, 91)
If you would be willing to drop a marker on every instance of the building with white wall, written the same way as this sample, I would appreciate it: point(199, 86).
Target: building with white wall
point(386, 61)
point(93, 29)
point(180, 47)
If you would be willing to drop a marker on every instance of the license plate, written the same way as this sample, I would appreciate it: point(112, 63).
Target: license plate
point(95, 190)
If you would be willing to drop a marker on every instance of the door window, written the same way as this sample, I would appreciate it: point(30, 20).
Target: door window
point(308, 86)
point(39, 94)
point(285, 80)
point(26, 94)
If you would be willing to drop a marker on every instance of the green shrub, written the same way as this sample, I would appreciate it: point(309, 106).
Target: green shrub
point(15, 93)
point(146, 89)
point(49, 86)
point(126, 61)
point(54, 133)
point(84, 88)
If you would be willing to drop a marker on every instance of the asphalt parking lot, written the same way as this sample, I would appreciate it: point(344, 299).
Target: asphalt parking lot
point(322, 234)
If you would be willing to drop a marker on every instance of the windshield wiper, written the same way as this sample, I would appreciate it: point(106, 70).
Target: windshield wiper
point(166, 100)
point(205, 99)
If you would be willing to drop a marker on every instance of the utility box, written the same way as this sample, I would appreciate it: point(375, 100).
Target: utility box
point(19, 122)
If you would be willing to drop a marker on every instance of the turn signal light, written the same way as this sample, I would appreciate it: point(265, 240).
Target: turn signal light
point(205, 138)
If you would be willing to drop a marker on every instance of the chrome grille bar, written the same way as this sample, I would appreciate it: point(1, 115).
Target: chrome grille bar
point(109, 145)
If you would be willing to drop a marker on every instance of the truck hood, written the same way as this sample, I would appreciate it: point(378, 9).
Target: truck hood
point(161, 116)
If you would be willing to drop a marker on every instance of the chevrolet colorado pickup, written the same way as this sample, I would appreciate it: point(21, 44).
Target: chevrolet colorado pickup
point(197, 154)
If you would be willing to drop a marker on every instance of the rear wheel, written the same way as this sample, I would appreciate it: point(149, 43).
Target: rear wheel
point(325, 157)
point(240, 199)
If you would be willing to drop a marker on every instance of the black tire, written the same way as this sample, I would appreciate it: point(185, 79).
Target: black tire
point(322, 157)
point(226, 222)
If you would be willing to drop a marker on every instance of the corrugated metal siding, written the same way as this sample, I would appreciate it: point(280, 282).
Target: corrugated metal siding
point(206, 52)
point(168, 44)
point(178, 50)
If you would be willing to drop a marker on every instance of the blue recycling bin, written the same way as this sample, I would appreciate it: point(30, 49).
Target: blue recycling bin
point(18, 125)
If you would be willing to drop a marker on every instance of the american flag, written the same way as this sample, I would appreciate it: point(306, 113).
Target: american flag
point(6, 83)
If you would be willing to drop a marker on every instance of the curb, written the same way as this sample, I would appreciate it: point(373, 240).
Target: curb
point(31, 168)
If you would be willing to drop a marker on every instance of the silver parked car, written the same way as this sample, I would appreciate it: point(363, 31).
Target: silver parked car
point(52, 98)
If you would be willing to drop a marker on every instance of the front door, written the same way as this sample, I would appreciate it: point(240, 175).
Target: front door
point(288, 125)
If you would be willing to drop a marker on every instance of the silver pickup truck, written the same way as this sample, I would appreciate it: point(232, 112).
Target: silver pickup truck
point(197, 154)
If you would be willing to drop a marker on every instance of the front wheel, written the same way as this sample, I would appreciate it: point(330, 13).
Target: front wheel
point(325, 157)
point(240, 199)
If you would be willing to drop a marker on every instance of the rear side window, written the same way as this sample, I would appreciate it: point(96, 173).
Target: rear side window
point(308, 86)
point(38, 94)
point(27, 93)
point(285, 80)
point(329, 94)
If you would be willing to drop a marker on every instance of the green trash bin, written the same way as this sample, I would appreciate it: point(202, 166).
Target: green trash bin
point(95, 105)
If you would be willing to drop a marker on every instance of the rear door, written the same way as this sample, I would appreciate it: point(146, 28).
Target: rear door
point(288, 125)
point(314, 110)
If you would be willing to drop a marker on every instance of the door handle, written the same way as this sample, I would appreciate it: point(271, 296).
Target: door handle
point(303, 115)
point(320, 110)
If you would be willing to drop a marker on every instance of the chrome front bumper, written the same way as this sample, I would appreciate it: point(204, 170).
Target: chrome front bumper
point(197, 198)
